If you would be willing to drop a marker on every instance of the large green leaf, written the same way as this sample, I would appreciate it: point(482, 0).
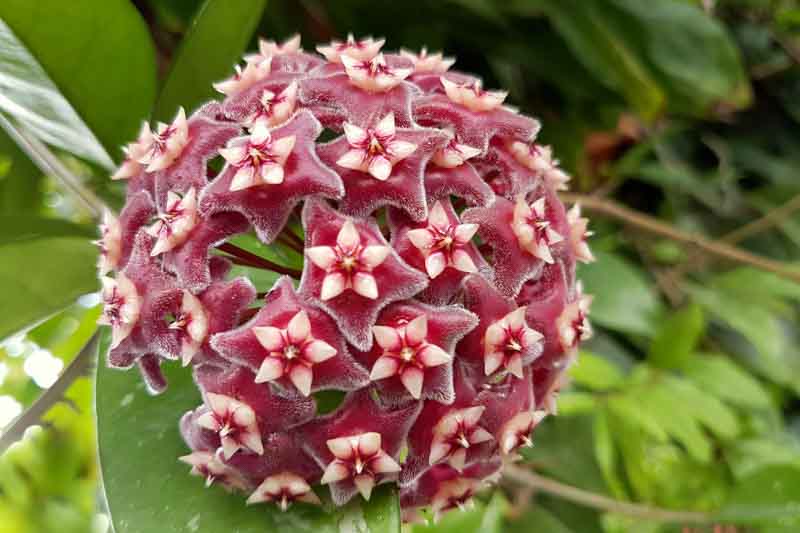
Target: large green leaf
point(73, 72)
point(677, 337)
point(647, 51)
point(215, 41)
point(482, 518)
point(148, 489)
point(769, 494)
point(624, 299)
point(40, 276)
point(597, 36)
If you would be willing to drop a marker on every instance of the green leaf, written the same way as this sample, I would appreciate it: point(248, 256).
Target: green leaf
point(70, 65)
point(572, 403)
point(770, 494)
point(684, 396)
point(669, 34)
point(537, 520)
point(596, 372)
point(677, 338)
point(777, 355)
point(33, 285)
point(598, 37)
point(18, 228)
point(624, 299)
point(218, 35)
point(148, 489)
point(606, 455)
point(20, 180)
point(482, 518)
point(725, 379)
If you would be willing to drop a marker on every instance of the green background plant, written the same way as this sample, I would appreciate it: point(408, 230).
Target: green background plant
point(686, 111)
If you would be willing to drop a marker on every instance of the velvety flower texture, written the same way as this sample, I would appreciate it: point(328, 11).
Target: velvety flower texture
point(437, 293)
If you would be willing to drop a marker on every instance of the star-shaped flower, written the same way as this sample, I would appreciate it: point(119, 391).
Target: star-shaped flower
point(501, 226)
point(407, 354)
point(206, 135)
point(293, 345)
point(578, 234)
point(131, 166)
point(268, 205)
point(473, 96)
point(443, 487)
point(362, 49)
point(539, 159)
point(358, 444)
point(272, 48)
point(334, 264)
point(474, 116)
point(284, 489)
point(573, 323)
point(502, 338)
point(273, 412)
point(121, 307)
point(375, 150)
point(243, 78)
point(509, 412)
point(174, 224)
point(292, 352)
point(414, 348)
point(533, 230)
point(504, 173)
point(360, 458)
point(375, 74)
point(274, 109)
point(234, 422)
point(444, 242)
point(428, 63)
point(349, 264)
point(455, 433)
point(259, 159)
point(208, 466)
point(197, 318)
point(166, 143)
point(117, 235)
point(190, 259)
point(334, 98)
point(441, 247)
point(450, 434)
point(379, 167)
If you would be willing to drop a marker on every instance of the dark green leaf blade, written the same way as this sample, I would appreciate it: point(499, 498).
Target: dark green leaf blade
point(40, 276)
point(148, 489)
point(215, 41)
point(677, 337)
point(77, 70)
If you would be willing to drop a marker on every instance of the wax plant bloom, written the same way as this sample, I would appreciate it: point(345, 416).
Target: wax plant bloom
point(438, 288)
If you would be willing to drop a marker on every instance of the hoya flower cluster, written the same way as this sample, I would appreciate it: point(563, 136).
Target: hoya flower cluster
point(438, 287)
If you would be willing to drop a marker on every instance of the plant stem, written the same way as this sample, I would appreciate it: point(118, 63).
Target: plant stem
point(77, 368)
point(292, 241)
point(657, 227)
point(770, 219)
point(256, 261)
point(597, 501)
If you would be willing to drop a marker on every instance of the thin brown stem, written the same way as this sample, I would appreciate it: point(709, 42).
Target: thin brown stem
point(243, 257)
point(656, 227)
point(598, 501)
point(769, 220)
point(291, 240)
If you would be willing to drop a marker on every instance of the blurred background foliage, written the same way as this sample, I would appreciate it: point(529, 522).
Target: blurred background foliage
point(686, 111)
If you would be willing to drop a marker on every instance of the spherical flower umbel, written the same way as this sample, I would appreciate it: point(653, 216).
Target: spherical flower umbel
point(427, 274)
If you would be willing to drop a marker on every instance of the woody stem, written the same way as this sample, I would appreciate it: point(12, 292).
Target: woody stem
point(243, 257)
